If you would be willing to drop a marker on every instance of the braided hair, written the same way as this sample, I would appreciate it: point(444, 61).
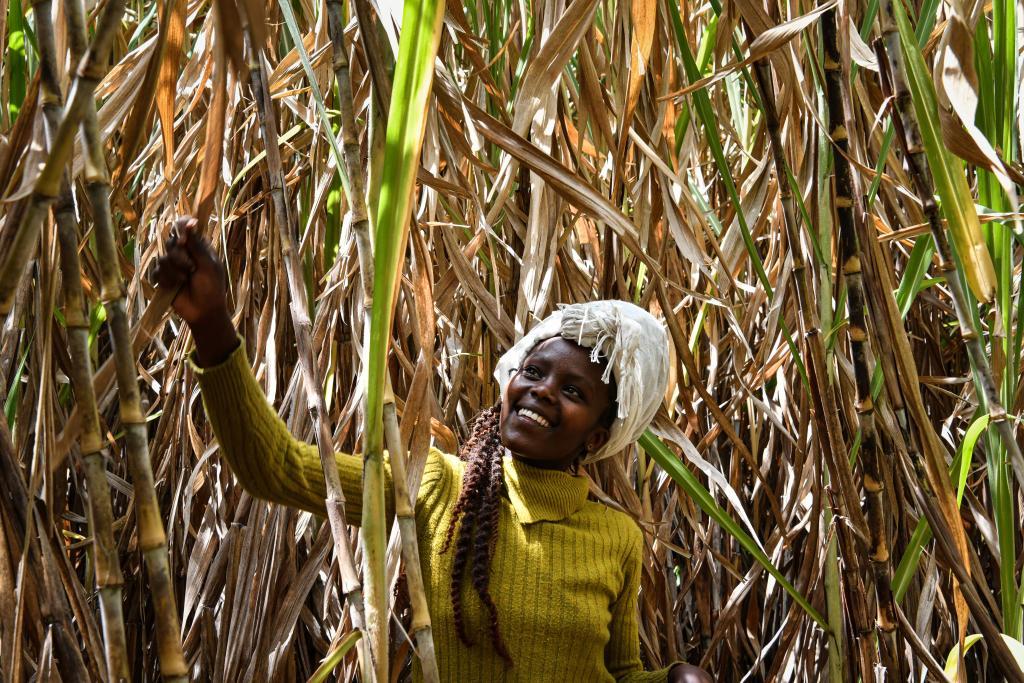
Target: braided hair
point(476, 520)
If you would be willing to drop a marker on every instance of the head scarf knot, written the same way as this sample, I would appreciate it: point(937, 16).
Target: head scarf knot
point(633, 343)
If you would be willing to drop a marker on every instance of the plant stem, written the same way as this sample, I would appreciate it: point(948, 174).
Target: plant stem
point(335, 503)
point(828, 430)
point(90, 71)
point(850, 260)
point(152, 539)
point(910, 137)
point(356, 189)
point(107, 566)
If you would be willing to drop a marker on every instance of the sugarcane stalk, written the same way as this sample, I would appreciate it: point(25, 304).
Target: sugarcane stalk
point(908, 132)
point(107, 566)
point(850, 260)
point(91, 69)
point(335, 502)
point(831, 441)
point(421, 629)
point(941, 515)
point(152, 539)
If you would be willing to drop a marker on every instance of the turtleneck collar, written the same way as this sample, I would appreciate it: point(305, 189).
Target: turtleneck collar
point(541, 495)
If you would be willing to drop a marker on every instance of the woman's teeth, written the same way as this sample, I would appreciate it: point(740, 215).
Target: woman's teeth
point(526, 412)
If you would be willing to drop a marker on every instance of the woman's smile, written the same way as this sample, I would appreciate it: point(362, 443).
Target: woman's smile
point(532, 416)
point(555, 406)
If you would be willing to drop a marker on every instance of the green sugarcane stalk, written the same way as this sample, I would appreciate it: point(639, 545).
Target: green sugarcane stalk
point(152, 538)
point(414, 73)
point(850, 260)
point(829, 431)
point(91, 69)
point(107, 566)
point(421, 629)
point(891, 58)
point(916, 155)
point(351, 587)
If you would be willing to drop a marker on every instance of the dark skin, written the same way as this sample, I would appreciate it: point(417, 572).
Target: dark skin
point(554, 406)
point(557, 384)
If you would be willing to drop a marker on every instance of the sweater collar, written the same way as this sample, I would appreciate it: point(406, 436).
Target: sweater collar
point(541, 495)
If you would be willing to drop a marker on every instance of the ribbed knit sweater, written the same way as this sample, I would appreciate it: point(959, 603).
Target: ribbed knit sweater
point(565, 572)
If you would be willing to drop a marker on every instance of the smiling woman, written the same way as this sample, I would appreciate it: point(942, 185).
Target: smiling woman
point(557, 410)
point(551, 577)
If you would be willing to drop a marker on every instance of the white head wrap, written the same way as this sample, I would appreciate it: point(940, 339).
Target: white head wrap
point(635, 346)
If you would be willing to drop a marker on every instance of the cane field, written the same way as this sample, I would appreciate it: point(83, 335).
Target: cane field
point(820, 200)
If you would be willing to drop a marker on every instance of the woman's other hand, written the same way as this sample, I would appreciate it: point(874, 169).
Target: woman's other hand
point(190, 266)
point(687, 673)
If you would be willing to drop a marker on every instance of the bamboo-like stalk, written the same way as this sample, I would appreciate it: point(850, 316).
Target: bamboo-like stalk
point(107, 566)
point(909, 135)
point(894, 85)
point(335, 503)
point(850, 261)
point(421, 629)
point(152, 539)
point(831, 441)
point(91, 69)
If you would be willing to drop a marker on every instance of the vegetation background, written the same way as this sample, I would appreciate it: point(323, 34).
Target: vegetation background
point(820, 200)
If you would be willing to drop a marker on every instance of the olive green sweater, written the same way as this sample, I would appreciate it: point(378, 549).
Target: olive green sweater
point(565, 571)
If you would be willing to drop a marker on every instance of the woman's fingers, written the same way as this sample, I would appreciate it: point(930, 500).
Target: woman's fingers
point(165, 276)
point(198, 247)
point(179, 258)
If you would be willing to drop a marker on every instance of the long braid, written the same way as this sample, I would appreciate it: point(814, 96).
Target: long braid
point(474, 524)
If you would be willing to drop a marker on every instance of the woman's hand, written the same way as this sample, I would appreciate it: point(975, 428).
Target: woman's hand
point(190, 266)
point(687, 673)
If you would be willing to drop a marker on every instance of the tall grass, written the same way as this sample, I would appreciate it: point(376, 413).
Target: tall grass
point(834, 483)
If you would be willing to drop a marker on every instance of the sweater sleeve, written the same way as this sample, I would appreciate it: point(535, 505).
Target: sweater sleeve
point(622, 654)
point(269, 462)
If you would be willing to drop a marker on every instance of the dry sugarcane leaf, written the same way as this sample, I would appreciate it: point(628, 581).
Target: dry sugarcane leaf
point(644, 14)
point(19, 140)
point(562, 179)
point(168, 79)
point(153, 90)
point(227, 14)
point(215, 120)
point(860, 53)
point(779, 35)
point(544, 68)
point(764, 44)
point(956, 85)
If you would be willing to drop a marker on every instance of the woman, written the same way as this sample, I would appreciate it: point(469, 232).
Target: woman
point(526, 579)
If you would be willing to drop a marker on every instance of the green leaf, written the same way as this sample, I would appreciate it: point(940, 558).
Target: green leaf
point(334, 657)
point(686, 480)
point(407, 119)
point(975, 431)
point(958, 471)
point(952, 661)
point(947, 171)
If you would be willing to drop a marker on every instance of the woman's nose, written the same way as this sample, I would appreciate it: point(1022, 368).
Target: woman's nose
point(543, 390)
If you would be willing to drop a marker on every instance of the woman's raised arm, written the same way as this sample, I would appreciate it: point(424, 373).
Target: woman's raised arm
point(268, 461)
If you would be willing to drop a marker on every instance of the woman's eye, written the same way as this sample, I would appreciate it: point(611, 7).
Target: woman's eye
point(573, 391)
point(530, 371)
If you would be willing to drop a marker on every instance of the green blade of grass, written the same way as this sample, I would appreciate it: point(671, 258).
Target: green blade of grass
point(334, 657)
point(947, 171)
point(689, 483)
point(406, 124)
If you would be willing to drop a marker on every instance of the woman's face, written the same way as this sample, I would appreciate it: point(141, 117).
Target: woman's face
point(554, 405)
